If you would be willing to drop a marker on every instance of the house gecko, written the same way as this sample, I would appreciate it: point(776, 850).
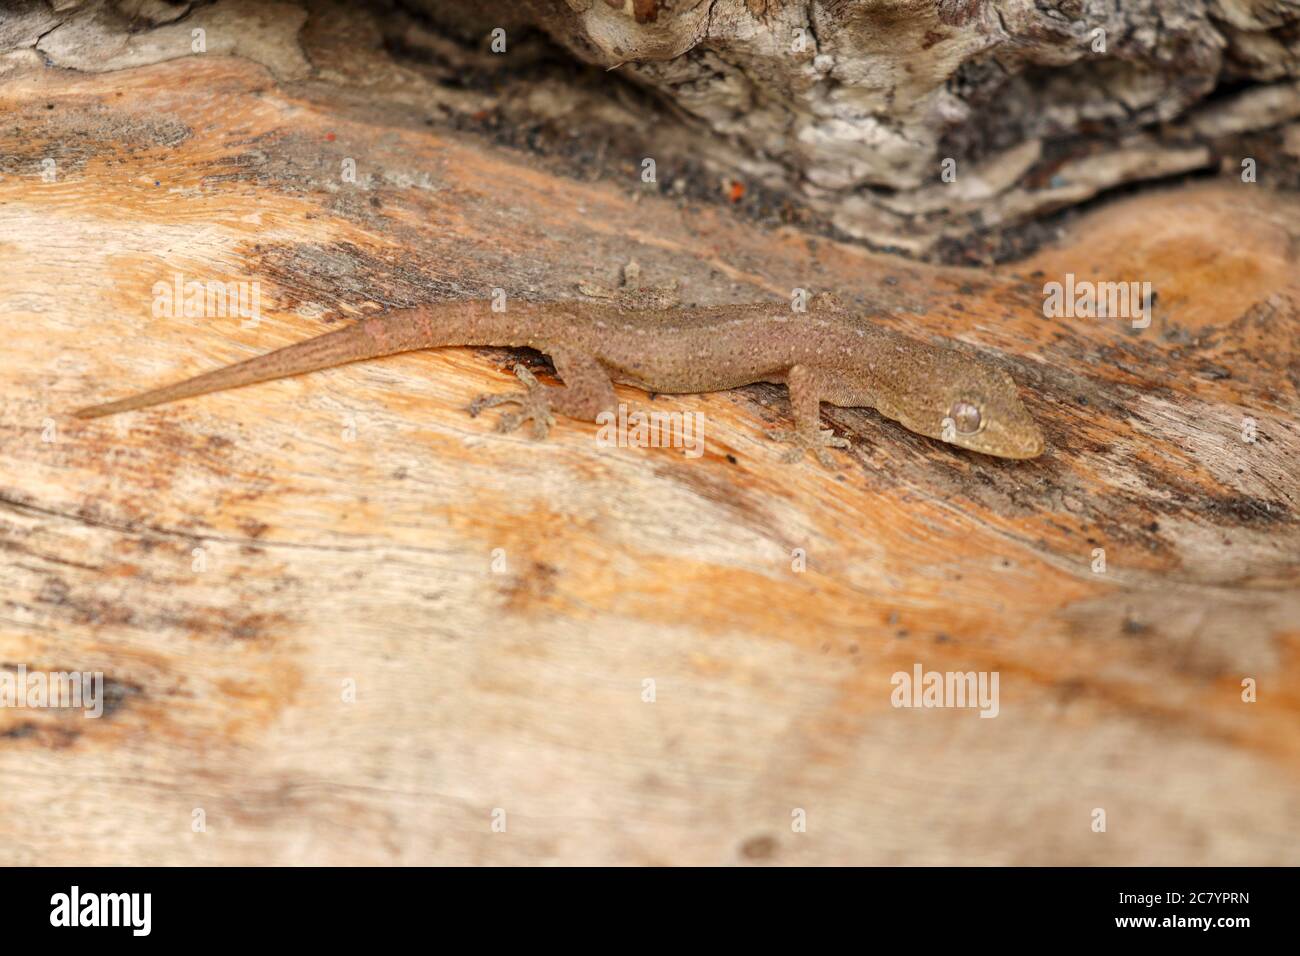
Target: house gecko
point(821, 355)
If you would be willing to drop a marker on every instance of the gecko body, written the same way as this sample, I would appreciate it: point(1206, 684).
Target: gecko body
point(823, 355)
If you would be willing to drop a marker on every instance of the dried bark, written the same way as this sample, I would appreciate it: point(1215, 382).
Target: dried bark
point(945, 129)
point(856, 107)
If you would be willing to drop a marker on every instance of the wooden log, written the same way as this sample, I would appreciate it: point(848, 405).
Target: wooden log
point(349, 624)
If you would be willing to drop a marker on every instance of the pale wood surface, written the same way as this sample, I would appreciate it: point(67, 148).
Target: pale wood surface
point(330, 559)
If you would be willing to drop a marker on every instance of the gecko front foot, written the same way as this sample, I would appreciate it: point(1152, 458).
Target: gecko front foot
point(816, 442)
point(534, 406)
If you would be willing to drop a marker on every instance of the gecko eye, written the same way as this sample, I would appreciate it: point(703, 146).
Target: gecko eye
point(965, 417)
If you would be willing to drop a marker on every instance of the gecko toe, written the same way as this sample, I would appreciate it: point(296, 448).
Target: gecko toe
point(482, 402)
point(817, 442)
point(542, 424)
point(537, 412)
point(534, 406)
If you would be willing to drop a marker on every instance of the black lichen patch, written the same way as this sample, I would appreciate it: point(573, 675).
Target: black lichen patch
point(62, 722)
point(118, 693)
point(54, 734)
point(1179, 497)
point(341, 276)
point(19, 731)
point(744, 506)
point(1248, 510)
point(535, 585)
point(80, 132)
point(1131, 627)
point(87, 607)
point(289, 162)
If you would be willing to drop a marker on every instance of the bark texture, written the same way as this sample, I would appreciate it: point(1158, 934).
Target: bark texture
point(915, 124)
point(950, 129)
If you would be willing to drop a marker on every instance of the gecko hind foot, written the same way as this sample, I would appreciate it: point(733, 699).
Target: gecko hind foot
point(534, 406)
point(817, 442)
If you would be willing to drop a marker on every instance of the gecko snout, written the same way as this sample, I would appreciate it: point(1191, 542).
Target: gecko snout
point(1010, 432)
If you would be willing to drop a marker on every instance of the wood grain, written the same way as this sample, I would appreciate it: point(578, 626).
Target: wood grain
point(346, 524)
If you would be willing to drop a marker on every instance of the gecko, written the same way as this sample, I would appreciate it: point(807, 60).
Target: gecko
point(823, 354)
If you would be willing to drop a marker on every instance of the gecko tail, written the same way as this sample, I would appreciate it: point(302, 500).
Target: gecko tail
point(323, 351)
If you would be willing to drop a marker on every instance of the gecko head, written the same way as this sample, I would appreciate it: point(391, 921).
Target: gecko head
point(946, 395)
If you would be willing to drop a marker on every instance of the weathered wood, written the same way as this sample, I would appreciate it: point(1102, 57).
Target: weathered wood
point(346, 523)
point(947, 130)
point(942, 128)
